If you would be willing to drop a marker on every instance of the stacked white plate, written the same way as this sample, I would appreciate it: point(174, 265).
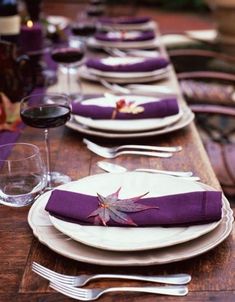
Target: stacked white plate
point(127, 245)
point(129, 128)
point(123, 77)
point(145, 44)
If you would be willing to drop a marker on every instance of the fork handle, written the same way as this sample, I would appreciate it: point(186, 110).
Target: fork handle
point(163, 290)
point(169, 279)
point(146, 153)
point(150, 148)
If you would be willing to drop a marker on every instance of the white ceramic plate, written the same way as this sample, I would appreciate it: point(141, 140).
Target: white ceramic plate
point(43, 229)
point(129, 238)
point(142, 26)
point(115, 61)
point(60, 21)
point(92, 42)
point(125, 125)
point(184, 121)
point(161, 74)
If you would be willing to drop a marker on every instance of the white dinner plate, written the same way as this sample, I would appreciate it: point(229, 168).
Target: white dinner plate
point(184, 121)
point(115, 61)
point(129, 238)
point(60, 21)
point(125, 125)
point(85, 73)
point(43, 229)
point(94, 43)
point(143, 26)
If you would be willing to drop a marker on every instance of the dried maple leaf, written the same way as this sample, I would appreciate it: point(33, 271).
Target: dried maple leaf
point(110, 207)
point(9, 114)
point(126, 107)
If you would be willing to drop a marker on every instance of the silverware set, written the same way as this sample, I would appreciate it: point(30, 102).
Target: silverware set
point(154, 151)
point(70, 285)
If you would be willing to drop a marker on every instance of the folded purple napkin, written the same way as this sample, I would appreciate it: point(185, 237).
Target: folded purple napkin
point(180, 209)
point(124, 20)
point(150, 64)
point(157, 109)
point(142, 36)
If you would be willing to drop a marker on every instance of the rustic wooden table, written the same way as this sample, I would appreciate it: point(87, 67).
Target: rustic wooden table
point(212, 272)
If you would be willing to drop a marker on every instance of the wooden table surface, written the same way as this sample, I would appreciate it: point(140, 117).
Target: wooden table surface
point(212, 273)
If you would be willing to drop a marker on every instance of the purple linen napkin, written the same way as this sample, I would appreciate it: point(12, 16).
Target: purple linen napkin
point(142, 66)
point(157, 109)
point(124, 20)
point(142, 36)
point(180, 209)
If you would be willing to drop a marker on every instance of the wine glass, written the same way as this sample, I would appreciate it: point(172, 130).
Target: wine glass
point(22, 174)
point(47, 111)
point(70, 57)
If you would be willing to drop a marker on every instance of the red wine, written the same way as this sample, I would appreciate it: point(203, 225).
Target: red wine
point(46, 116)
point(84, 30)
point(67, 55)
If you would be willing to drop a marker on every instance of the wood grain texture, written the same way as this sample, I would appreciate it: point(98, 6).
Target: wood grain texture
point(212, 273)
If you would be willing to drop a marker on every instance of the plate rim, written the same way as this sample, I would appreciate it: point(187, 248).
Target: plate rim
point(148, 245)
point(201, 245)
point(184, 121)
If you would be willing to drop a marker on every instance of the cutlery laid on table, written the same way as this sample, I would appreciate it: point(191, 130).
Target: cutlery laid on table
point(136, 150)
point(177, 279)
point(114, 168)
point(93, 294)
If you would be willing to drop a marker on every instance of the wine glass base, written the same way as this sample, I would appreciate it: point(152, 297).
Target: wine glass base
point(58, 179)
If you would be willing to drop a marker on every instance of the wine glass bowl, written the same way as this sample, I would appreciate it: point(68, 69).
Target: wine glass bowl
point(47, 111)
point(70, 58)
point(22, 174)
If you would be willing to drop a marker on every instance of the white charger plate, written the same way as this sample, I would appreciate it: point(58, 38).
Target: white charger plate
point(115, 61)
point(161, 74)
point(184, 121)
point(142, 26)
point(43, 229)
point(129, 238)
point(94, 43)
point(125, 125)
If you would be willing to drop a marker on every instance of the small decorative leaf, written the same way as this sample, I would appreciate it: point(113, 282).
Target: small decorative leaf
point(110, 207)
point(126, 107)
point(9, 114)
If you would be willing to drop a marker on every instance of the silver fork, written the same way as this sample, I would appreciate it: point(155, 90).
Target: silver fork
point(81, 280)
point(112, 154)
point(135, 147)
point(93, 294)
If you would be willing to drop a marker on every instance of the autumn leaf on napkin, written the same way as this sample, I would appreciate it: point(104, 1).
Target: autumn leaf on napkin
point(113, 207)
point(9, 114)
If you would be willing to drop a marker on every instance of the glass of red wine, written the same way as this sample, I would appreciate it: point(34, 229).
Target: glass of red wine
point(47, 111)
point(70, 58)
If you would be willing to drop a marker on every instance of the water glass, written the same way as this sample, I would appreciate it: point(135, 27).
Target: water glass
point(22, 174)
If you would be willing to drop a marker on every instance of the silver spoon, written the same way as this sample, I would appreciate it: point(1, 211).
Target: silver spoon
point(114, 168)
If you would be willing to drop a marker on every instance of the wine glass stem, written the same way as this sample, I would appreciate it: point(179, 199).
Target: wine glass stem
point(48, 157)
point(68, 81)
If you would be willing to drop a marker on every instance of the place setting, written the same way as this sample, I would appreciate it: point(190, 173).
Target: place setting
point(140, 225)
point(128, 116)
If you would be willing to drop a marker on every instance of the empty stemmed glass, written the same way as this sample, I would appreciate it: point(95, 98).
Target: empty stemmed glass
point(70, 57)
point(47, 111)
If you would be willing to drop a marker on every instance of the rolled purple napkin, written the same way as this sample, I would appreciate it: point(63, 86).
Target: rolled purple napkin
point(124, 20)
point(125, 36)
point(150, 64)
point(157, 109)
point(180, 209)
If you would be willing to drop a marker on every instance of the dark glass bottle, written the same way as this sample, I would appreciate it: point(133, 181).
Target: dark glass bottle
point(9, 21)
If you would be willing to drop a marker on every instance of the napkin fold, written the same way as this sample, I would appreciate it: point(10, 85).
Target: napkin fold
point(124, 20)
point(142, 36)
point(156, 109)
point(144, 65)
point(180, 209)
